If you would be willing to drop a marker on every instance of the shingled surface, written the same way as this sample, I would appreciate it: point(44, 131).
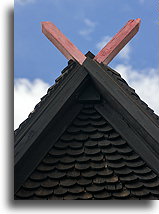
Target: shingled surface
point(91, 161)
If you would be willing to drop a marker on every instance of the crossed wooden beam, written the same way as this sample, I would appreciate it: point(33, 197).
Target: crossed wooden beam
point(111, 49)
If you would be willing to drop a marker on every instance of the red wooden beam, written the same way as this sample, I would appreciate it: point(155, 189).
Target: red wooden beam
point(67, 48)
point(113, 47)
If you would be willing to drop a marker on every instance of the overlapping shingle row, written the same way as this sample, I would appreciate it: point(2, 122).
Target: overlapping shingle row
point(91, 161)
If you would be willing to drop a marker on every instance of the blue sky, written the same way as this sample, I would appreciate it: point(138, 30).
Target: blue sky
point(36, 57)
point(89, 24)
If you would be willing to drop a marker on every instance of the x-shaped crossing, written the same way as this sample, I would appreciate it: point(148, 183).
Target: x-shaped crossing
point(111, 49)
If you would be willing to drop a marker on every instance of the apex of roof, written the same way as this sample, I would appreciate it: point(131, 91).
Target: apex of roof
point(112, 98)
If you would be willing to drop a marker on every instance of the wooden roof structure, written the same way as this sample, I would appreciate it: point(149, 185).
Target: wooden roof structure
point(91, 136)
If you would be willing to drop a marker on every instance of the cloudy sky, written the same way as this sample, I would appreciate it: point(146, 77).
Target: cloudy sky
point(89, 24)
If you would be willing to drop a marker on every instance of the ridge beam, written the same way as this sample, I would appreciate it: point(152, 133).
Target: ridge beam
point(65, 46)
point(113, 47)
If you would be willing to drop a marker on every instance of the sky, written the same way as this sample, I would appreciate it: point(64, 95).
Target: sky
point(89, 24)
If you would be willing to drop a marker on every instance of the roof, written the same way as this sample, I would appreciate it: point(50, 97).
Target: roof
point(90, 122)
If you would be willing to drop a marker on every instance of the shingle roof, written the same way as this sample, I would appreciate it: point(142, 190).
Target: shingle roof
point(72, 66)
point(91, 161)
point(91, 156)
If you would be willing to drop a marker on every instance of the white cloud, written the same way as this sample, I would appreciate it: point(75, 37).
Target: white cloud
point(141, 1)
point(103, 42)
point(85, 32)
point(123, 54)
point(90, 27)
point(145, 83)
point(89, 23)
point(26, 95)
point(23, 2)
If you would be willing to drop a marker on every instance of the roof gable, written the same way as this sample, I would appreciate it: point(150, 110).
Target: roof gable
point(65, 100)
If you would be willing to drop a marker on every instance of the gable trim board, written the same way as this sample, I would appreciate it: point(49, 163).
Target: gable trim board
point(129, 134)
point(25, 140)
point(47, 112)
point(65, 93)
point(124, 104)
point(39, 149)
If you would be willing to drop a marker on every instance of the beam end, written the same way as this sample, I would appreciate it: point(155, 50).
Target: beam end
point(114, 46)
point(62, 43)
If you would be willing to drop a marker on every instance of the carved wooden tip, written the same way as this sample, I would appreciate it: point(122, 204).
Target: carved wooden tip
point(65, 46)
point(118, 41)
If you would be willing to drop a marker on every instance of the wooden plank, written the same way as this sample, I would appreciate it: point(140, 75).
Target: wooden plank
point(126, 131)
point(89, 95)
point(65, 46)
point(29, 151)
point(113, 92)
point(113, 47)
point(48, 112)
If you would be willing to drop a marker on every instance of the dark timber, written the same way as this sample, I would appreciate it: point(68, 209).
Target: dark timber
point(91, 83)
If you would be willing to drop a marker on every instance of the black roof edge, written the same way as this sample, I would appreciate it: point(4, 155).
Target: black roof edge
point(133, 138)
point(71, 65)
point(56, 98)
point(37, 151)
point(130, 91)
point(124, 103)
